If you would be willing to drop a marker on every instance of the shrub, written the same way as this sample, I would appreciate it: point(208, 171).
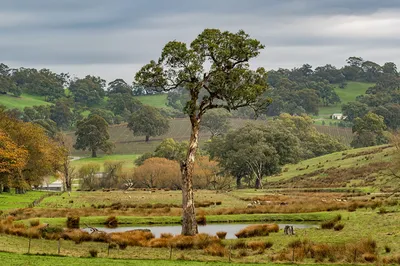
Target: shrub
point(34, 222)
point(73, 222)
point(259, 245)
point(352, 207)
point(112, 222)
point(338, 227)
point(328, 224)
point(369, 257)
point(166, 235)
point(182, 242)
point(216, 249)
point(239, 244)
point(159, 243)
point(382, 210)
point(257, 230)
point(93, 253)
point(221, 235)
point(387, 249)
point(201, 220)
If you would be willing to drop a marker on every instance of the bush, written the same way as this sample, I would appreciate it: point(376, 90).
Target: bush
point(34, 222)
point(369, 257)
point(338, 227)
point(93, 253)
point(166, 235)
point(328, 224)
point(259, 245)
point(257, 230)
point(73, 222)
point(221, 235)
point(216, 249)
point(387, 249)
point(112, 222)
point(239, 244)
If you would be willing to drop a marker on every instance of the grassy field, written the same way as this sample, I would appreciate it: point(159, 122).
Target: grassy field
point(25, 100)
point(358, 225)
point(37, 260)
point(348, 94)
point(352, 159)
point(127, 161)
point(157, 100)
point(14, 201)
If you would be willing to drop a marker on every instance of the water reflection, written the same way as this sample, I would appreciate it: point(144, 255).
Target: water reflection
point(211, 229)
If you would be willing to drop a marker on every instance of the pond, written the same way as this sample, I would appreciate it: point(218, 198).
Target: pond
point(212, 229)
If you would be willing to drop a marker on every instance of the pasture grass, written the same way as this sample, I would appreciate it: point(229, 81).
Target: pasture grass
point(25, 100)
point(348, 94)
point(40, 260)
point(335, 160)
point(358, 225)
point(157, 100)
point(13, 201)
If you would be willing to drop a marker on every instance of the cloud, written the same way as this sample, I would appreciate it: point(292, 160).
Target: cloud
point(114, 38)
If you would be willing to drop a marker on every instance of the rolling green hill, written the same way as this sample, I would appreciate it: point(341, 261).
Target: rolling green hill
point(25, 100)
point(365, 168)
point(348, 94)
point(126, 143)
point(158, 100)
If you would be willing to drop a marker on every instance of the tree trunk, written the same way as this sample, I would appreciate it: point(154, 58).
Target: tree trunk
point(238, 182)
point(67, 179)
point(94, 153)
point(147, 138)
point(189, 224)
point(258, 182)
point(6, 189)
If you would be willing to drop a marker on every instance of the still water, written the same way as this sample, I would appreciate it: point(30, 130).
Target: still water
point(211, 229)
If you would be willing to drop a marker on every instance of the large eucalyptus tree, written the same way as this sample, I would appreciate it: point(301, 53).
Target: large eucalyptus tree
point(217, 63)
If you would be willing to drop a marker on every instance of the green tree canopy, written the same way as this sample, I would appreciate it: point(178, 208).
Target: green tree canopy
point(89, 90)
point(92, 134)
point(148, 122)
point(216, 121)
point(369, 130)
point(216, 62)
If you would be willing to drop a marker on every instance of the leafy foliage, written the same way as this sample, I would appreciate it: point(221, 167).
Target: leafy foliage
point(92, 134)
point(149, 122)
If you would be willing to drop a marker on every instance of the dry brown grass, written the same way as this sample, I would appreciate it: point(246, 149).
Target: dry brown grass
point(362, 251)
point(216, 249)
point(257, 230)
point(259, 245)
point(221, 235)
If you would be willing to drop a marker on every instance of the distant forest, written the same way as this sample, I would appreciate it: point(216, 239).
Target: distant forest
point(300, 90)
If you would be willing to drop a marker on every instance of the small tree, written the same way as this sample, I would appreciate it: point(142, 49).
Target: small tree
point(215, 63)
point(87, 175)
point(158, 173)
point(217, 122)
point(92, 134)
point(149, 122)
point(369, 130)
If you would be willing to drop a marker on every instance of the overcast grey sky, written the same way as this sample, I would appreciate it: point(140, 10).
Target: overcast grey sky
point(113, 39)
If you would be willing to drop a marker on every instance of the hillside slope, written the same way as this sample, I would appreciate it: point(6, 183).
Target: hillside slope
point(25, 100)
point(364, 168)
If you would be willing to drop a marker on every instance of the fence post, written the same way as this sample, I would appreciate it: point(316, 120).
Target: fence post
point(59, 246)
point(230, 253)
point(108, 249)
point(170, 252)
point(29, 245)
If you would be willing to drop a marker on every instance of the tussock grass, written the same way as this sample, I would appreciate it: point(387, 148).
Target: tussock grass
point(257, 230)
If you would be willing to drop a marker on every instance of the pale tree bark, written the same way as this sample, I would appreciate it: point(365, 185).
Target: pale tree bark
point(189, 224)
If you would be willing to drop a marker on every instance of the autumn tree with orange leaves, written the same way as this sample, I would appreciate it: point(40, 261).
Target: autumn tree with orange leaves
point(28, 154)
